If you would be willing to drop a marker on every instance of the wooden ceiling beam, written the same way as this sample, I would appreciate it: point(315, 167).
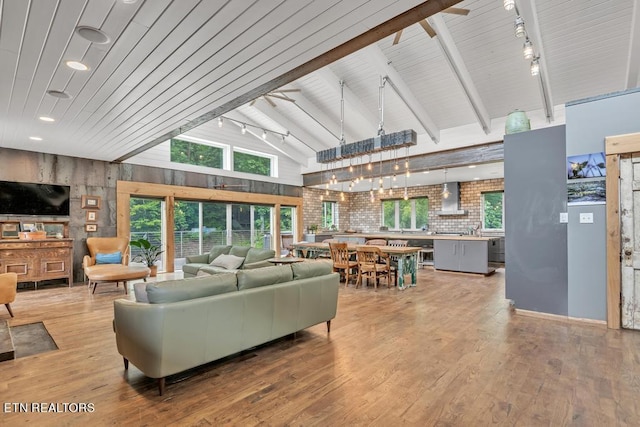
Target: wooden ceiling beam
point(454, 58)
point(477, 154)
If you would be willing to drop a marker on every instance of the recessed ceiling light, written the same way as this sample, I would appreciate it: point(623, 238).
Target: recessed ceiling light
point(35, 138)
point(425, 172)
point(47, 119)
point(77, 65)
point(476, 178)
point(129, 1)
point(93, 35)
point(59, 94)
point(472, 166)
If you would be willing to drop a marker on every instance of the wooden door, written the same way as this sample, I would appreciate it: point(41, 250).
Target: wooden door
point(630, 238)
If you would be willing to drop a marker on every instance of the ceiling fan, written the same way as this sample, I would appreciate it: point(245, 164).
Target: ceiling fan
point(279, 94)
point(428, 28)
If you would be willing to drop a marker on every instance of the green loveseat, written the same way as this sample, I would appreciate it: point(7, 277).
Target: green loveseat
point(253, 258)
point(190, 322)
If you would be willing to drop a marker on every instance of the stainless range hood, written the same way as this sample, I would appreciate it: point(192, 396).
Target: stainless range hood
point(451, 204)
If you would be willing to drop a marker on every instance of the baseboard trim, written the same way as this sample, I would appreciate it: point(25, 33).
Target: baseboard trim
point(559, 317)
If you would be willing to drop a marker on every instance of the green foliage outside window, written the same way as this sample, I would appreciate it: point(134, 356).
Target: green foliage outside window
point(250, 163)
point(408, 211)
point(145, 215)
point(191, 153)
point(328, 213)
point(492, 207)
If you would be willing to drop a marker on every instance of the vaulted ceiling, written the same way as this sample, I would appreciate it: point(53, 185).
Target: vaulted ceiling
point(171, 65)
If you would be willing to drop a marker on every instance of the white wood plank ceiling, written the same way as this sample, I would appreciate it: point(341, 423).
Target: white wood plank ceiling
point(169, 63)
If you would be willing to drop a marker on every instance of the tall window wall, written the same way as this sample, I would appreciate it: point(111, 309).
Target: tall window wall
point(146, 221)
point(493, 211)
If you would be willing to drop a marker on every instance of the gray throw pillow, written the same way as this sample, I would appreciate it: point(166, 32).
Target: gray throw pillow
point(230, 262)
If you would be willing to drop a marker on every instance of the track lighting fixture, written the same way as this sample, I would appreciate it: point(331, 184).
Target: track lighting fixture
point(518, 27)
point(509, 4)
point(535, 66)
point(527, 49)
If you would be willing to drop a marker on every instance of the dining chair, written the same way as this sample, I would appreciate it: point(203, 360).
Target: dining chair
point(286, 246)
point(395, 258)
point(372, 263)
point(376, 242)
point(340, 257)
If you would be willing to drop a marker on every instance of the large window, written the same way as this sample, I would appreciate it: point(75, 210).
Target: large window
point(412, 214)
point(146, 222)
point(493, 211)
point(192, 153)
point(252, 162)
point(329, 215)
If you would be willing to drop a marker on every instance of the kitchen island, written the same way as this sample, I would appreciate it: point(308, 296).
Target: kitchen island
point(462, 253)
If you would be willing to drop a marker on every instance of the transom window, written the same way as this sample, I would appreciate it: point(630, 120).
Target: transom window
point(493, 210)
point(412, 214)
point(253, 162)
point(193, 153)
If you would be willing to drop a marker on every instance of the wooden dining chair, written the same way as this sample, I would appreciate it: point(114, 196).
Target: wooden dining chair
point(372, 264)
point(340, 257)
point(395, 258)
point(376, 242)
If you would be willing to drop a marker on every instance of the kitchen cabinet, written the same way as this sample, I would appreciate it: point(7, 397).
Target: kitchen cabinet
point(468, 256)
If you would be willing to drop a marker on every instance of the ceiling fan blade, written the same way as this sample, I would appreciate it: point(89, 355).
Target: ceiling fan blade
point(457, 11)
point(428, 28)
point(266, 97)
point(286, 98)
point(396, 39)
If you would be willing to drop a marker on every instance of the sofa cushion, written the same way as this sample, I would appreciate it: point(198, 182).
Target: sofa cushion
point(185, 289)
point(307, 269)
point(266, 276)
point(218, 250)
point(111, 258)
point(140, 291)
point(255, 255)
point(193, 268)
point(240, 251)
point(229, 262)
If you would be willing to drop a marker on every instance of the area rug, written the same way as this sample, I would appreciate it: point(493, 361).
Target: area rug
point(31, 339)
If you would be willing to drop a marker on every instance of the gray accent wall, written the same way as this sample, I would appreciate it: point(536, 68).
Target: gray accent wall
point(535, 240)
point(589, 121)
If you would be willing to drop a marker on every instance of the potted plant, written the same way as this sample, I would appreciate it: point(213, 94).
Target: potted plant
point(147, 255)
point(313, 228)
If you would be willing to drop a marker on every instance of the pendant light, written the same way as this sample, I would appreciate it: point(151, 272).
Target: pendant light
point(445, 190)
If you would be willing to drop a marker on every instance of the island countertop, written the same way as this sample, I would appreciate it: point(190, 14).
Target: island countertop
point(412, 236)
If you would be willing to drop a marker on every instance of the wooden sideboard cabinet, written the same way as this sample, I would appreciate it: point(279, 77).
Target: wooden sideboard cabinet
point(38, 260)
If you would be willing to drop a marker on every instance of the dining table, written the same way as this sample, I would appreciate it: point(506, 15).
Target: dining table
point(407, 257)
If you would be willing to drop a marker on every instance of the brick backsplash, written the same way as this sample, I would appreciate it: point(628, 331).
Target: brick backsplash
point(358, 213)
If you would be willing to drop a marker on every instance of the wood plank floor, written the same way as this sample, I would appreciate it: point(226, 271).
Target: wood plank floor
point(449, 352)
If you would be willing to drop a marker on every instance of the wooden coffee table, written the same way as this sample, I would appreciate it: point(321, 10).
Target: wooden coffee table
point(107, 273)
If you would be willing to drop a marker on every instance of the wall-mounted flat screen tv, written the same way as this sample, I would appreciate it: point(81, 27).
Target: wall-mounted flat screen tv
point(24, 198)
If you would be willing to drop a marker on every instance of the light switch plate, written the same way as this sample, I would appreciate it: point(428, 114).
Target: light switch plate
point(586, 218)
point(564, 217)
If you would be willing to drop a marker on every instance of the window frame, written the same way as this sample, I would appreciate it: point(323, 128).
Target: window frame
point(482, 211)
point(273, 161)
point(397, 215)
point(193, 140)
point(334, 214)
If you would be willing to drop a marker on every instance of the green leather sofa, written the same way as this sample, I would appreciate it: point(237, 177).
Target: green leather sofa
point(253, 258)
point(190, 322)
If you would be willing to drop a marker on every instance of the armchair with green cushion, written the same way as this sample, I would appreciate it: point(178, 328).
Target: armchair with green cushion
point(248, 257)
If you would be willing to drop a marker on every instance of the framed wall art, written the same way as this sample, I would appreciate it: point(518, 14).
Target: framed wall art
point(91, 228)
point(92, 216)
point(90, 202)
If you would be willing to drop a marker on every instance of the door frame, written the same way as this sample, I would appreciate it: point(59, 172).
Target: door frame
point(615, 147)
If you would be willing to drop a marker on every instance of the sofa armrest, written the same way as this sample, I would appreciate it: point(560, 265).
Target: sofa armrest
point(87, 261)
point(200, 259)
point(257, 264)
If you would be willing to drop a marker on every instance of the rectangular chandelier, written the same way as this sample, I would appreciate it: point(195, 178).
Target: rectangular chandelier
point(386, 142)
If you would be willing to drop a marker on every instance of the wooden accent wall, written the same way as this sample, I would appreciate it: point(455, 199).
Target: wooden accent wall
point(169, 193)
